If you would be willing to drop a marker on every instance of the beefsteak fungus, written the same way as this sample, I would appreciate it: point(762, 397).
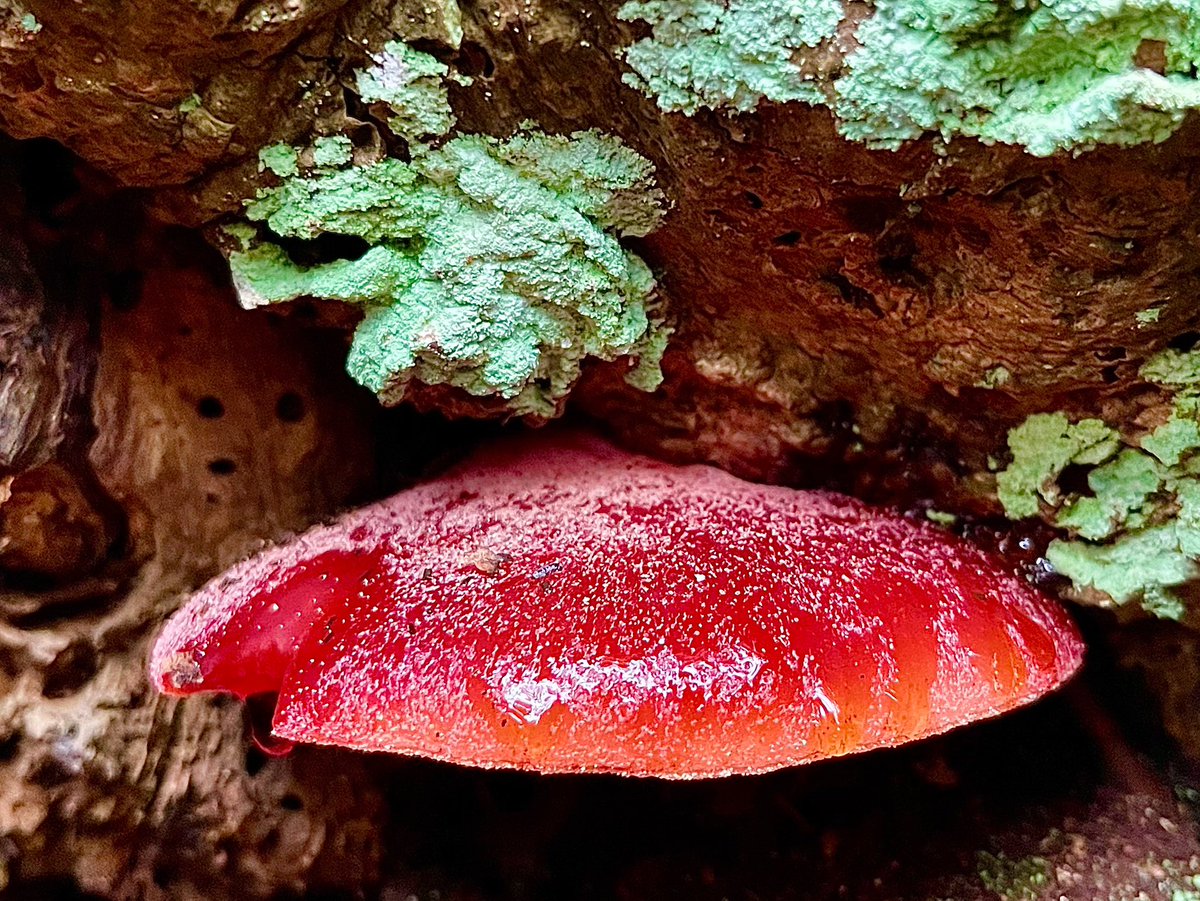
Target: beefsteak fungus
point(558, 605)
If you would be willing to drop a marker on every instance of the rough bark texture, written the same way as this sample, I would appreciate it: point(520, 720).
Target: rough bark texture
point(817, 285)
point(210, 431)
point(836, 311)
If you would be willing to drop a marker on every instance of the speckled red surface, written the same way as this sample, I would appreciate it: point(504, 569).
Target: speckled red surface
point(559, 605)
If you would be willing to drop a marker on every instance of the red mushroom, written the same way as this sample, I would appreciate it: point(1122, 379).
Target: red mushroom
point(562, 606)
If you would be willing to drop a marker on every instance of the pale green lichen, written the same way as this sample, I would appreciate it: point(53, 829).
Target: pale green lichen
point(332, 152)
point(1135, 536)
point(1024, 879)
point(489, 265)
point(30, 24)
point(1148, 316)
point(1178, 877)
point(431, 20)
point(1189, 891)
point(1050, 75)
point(1042, 447)
point(1173, 367)
point(190, 104)
point(280, 159)
point(1143, 566)
point(1176, 437)
point(726, 54)
point(996, 377)
point(1058, 864)
point(1121, 489)
point(412, 85)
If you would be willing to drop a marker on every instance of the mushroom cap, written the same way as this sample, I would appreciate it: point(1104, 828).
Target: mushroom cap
point(558, 605)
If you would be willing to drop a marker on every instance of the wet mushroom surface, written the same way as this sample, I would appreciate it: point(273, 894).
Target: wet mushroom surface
point(558, 605)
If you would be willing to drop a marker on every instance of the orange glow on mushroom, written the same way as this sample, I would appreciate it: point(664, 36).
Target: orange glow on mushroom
point(559, 605)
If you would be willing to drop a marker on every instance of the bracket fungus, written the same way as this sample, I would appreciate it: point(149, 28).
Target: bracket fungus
point(558, 605)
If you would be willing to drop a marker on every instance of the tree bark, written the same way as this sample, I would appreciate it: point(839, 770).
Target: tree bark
point(837, 312)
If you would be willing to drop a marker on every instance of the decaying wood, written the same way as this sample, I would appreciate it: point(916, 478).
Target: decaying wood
point(46, 357)
point(818, 287)
point(214, 430)
point(836, 314)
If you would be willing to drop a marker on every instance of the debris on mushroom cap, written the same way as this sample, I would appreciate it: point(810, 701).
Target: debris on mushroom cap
point(559, 605)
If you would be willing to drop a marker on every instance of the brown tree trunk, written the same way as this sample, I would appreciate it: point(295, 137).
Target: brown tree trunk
point(837, 311)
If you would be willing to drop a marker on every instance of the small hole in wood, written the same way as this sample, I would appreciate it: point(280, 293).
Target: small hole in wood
point(291, 802)
point(9, 745)
point(255, 760)
point(210, 407)
point(289, 407)
point(222, 466)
